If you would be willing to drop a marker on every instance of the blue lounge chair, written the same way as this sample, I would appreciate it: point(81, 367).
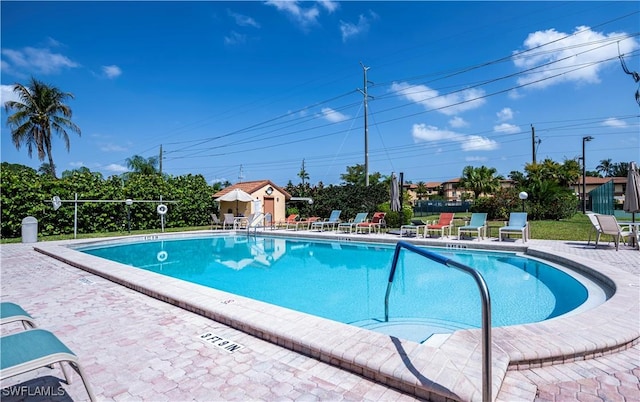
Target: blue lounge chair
point(11, 312)
point(350, 226)
point(477, 224)
point(517, 225)
point(332, 222)
point(33, 349)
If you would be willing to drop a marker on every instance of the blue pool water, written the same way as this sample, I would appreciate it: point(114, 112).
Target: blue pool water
point(346, 282)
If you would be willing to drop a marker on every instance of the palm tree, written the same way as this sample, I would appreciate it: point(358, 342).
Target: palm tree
point(479, 180)
point(39, 112)
point(303, 174)
point(605, 167)
point(140, 165)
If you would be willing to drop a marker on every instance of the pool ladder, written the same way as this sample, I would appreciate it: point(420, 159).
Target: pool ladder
point(484, 294)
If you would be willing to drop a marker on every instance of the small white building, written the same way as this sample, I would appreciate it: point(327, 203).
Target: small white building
point(268, 198)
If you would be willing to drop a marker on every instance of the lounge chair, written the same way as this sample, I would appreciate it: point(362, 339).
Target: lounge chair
point(289, 220)
point(303, 224)
point(36, 348)
point(477, 224)
point(375, 223)
point(11, 312)
point(517, 225)
point(350, 226)
point(415, 226)
point(332, 222)
point(229, 220)
point(609, 225)
point(445, 223)
point(596, 226)
point(215, 222)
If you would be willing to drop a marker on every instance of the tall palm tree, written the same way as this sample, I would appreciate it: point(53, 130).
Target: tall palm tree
point(605, 167)
point(39, 112)
point(479, 180)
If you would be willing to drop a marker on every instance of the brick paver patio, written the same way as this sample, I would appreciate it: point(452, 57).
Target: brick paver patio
point(134, 347)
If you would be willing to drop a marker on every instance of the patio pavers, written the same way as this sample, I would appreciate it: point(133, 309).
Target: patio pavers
point(134, 347)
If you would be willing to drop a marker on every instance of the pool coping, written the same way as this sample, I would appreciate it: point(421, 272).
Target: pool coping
point(449, 371)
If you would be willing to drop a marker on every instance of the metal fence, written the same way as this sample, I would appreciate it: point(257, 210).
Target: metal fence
point(427, 207)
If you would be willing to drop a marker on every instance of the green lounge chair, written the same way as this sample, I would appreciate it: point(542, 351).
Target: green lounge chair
point(477, 224)
point(350, 226)
point(33, 349)
point(334, 220)
point(11, 312)
point(517, 225)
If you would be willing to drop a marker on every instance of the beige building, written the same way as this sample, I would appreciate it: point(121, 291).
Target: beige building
point(268, 196)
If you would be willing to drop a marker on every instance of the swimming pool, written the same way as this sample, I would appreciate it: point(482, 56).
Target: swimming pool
point(346, 282)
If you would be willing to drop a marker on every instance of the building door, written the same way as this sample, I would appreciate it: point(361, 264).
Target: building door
point(269, 207)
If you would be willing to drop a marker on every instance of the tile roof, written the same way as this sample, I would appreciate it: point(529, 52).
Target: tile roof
point(251, 187)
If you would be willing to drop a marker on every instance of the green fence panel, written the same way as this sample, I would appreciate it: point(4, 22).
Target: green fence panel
point(602, 199)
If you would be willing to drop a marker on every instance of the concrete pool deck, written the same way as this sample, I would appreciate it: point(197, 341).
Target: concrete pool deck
point(134, 347)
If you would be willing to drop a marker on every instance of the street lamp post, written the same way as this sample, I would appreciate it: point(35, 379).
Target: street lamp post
point(584, 174)
point(128, 202)
point(523, 196)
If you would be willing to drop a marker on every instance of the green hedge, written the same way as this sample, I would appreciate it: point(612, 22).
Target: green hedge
point(26, 193)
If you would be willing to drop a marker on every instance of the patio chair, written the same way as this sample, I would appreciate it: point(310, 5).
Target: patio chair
point(609, 225)
point(303, 224)
point(332, 222)
point(36, 348)
point(415, 226)
point(596, 226)
point(477, 224)
point(517, 225)
point(349, 226)
point(287, 221)
point(215, 221)
point(229, 220)
point(445, 223)
point(375, 223)
point(11, 312)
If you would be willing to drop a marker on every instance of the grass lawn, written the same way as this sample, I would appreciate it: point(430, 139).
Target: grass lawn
point(575, 228)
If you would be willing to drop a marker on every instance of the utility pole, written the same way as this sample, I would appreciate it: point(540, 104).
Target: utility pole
point(160, 160)
point(366, 127)
point(240, 175)
point(534, 143)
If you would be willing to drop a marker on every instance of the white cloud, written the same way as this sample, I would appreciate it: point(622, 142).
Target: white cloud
point(458, 122)
point(505, 114)
point(114, 167)
point(243, 20)
point(329, 5)
point(7, 94)
point(478, 143)
point(557, 56)
point(113, 148)
point(449, 104)
point(333, 116)
point(40, 61)
point(76, 164)
point(111, 71)
point(304, 17)
point(476, 159)
point(506, 128)
point(235, 38)
point(423, 132)
point(349, 29)
point(615, 123)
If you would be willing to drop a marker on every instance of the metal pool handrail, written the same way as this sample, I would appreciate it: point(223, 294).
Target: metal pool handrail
point(484, 295)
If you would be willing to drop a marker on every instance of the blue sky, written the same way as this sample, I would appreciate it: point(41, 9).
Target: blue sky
point(251, 89)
